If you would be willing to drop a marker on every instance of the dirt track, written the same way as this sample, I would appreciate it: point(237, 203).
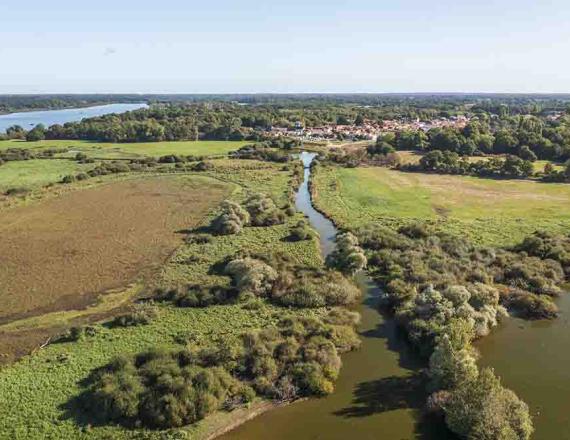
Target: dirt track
point(61, 253)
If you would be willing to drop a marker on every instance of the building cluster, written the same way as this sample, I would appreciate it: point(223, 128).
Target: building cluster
point(369, 130)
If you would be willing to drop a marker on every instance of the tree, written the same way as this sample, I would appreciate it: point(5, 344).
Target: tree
point(484, 409)
point(505, 142)
point(411, 140)
point(526, 153)
point(15, 132)
point(383, 148)
point(36, 134)
point(449, 367)
point(359, 120)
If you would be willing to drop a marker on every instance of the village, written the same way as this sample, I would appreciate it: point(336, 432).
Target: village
point(368, 130)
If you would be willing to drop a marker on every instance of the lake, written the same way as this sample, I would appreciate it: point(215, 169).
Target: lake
point(50, 117)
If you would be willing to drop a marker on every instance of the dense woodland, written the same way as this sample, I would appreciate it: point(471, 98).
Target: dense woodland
point(517, 125)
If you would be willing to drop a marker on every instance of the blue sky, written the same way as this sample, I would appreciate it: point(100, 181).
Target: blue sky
point(223, 46)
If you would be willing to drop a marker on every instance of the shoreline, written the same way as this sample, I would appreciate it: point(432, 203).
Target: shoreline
point(249, 414)
point(73, 107)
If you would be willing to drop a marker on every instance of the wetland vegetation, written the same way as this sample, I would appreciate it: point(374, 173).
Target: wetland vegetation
point(166, 275)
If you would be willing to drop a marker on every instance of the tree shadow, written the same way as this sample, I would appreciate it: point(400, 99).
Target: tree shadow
point(386, 394)
point(82, 408)
point(397, 393)
point(206, 229)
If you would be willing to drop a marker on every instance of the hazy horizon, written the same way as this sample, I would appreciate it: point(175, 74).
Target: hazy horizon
point(229, 47)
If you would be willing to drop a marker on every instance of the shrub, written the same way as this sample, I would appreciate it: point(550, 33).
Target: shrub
point(310, 290)
point(68, 179)
point(140, 314)
point(530, 306)
point(80, 157)
point(252, 275)
point(449, 367)
point(200, 296)
point(348, 257)
point(301, 232)
point(160, 390)
point(17, 191)
point(78, 334)
point(263, 212)
point(231, 219)
point(482, 408)
point(203, 166)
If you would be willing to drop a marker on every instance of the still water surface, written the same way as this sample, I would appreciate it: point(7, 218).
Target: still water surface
point(378, 395)
point(28, 120)
point(533, 359)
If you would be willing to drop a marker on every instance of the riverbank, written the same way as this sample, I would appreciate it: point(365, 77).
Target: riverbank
point(379, 388)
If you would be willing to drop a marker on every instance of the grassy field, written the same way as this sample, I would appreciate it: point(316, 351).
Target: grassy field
point(35, 392)
point(497, 212)
point(58, 253)
point(36, 173)
point(131, 150)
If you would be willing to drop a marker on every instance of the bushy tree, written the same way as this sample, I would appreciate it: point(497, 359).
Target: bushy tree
point(263, 211)
point(348, 256)
point(483, 409)
point(36, 134)
point(252, 275)
point(231, 219)
point(449, 367)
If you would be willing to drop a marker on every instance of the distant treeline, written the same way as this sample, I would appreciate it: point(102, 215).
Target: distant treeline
point(17, 103)
point(526, 136)
point(527, 126)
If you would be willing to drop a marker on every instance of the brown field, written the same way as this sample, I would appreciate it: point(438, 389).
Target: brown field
point(61, 254)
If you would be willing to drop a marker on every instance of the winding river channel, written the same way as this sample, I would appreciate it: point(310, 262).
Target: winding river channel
point(378, 393)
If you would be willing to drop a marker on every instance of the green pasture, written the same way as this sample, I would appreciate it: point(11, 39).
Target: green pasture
point(131, 150)
point(488, 211)
point(36, 173)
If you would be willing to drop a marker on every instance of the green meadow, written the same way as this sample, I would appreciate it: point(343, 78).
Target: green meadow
point(499, 212)
point(32, 174)
point(131, 150)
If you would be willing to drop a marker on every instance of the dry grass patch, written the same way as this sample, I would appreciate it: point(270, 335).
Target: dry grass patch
point(62, 253)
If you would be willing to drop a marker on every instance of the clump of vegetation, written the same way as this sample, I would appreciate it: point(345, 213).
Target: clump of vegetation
point(140, 314)
point(301, 231)
point(17, 191)
point(203, 166)
point(261, 151)
point(78, 333)
point(263, 212)
point(163, 389)
point(252, 275)
point(481, 407)
point(196, 295)
point(448, 162)
point(290, 285)
point(445, 293)
point(414, 259)
point(348, 256)
point(548, 247)
point(231, 220)
point(160, 389)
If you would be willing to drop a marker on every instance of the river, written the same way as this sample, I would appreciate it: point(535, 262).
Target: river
point(28, 120)
point(378, 394)
point(533, 358)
